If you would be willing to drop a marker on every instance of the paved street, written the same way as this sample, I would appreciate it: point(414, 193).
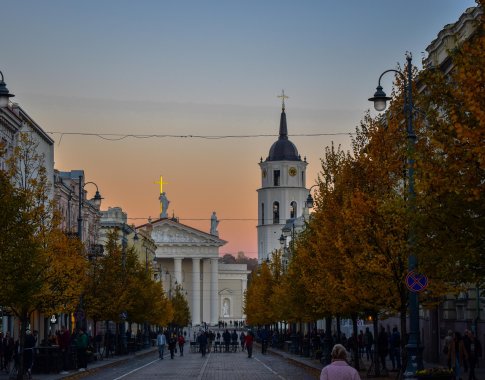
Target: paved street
point(146, 365)
point(213, 366)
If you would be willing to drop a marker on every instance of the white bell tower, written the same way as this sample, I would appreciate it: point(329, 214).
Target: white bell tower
point(283, 193)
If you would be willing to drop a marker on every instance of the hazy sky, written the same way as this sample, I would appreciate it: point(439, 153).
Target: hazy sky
point(203, 68)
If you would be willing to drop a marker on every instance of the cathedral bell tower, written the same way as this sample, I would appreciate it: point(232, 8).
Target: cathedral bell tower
point(283, 193)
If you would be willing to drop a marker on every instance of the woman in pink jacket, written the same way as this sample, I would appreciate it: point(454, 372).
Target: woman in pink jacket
point(339, 368)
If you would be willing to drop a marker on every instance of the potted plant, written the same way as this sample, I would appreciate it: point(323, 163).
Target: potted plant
point(435, 373)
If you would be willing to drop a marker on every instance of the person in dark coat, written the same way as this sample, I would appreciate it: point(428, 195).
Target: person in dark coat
point(203, 343)
point(475, 354)
point(383, 346)
point(226, 336)
point(172, 343)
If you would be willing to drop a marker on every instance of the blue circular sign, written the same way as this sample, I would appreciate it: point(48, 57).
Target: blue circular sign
point(416, 282)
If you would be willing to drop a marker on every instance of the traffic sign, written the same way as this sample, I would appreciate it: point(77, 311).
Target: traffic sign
point(416, 282)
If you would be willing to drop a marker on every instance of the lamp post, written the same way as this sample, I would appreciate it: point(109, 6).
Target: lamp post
point(97, 203)
point(413, 348)
point(96, 200)
point(5, 95)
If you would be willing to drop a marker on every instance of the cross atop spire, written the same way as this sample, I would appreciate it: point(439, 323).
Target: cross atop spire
point(283, 97)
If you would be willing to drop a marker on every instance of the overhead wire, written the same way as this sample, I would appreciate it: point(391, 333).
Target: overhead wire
point(120, 136)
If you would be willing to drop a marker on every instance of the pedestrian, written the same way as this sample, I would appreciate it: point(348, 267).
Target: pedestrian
point(360, 342)
point(339, 369)
point(395, 349)
point(29, 345)
point(248, 342)
point(234, 340)
point(161, 342)
point(475, 354)
point(64, 345)
point(368, 342)
point(8, 346)
point(203, 343)
point(383, 347)
point(181, 342)
point(82, 342)
point(242, 337)
point(457, 354)
point(226, 336)
point(172, 344)
point(467, 344)
point(446, 347)
point(263, 334)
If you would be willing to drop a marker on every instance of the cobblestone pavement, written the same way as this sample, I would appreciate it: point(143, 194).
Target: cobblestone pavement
point(145, 364)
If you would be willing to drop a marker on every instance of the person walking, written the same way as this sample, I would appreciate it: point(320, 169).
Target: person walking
point(181, 342)
point(226, 336)
point(64, 345)
point(339, 369)
point(234, 340)
point(161, 342)
point(446, 348)
point(248, 343)
point(203, 343)
point(242, 337)
point(457, 354)
point(172, 344)
point(383, 347)
point(475, 354)
point(82, 342)
point(368, 342)
point(395, 349)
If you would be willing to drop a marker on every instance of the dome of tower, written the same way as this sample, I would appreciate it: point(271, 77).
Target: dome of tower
point(283, 149)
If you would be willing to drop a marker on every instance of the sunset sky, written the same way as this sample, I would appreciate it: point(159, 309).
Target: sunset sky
point(203, 68)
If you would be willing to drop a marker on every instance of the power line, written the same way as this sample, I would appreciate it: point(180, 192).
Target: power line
point(120, 136)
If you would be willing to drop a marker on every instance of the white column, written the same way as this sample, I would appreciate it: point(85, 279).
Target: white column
point(214, 291)
point(243, 299)
point(195, 291)
point(178, 269)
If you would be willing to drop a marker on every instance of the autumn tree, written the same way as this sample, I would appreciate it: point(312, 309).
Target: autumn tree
point(40, 268)
point(180, 306)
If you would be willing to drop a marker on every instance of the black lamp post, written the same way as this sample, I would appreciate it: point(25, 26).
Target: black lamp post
point(96, 201)
point(413, 348)
point(5, 95)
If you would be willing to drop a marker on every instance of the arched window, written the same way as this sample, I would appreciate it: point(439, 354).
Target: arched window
point(276, 212)
point(262, 213)
point(293, 210)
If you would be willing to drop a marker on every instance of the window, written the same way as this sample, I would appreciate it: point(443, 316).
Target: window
point(276, 178)
point(276, 212)
point(293, 210)
point(262, 213)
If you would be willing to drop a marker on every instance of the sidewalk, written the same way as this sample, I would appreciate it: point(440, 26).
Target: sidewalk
point(314, 366)
point(93, 367)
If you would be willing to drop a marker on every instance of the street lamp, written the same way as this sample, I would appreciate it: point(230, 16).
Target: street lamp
point(414, 349)
point(4, 93)
point(96, 201)
point(309, 200)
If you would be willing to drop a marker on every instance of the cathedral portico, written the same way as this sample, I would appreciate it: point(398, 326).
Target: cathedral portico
point(189, 258)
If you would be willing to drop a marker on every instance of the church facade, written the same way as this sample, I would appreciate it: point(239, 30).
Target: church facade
point(189, 258)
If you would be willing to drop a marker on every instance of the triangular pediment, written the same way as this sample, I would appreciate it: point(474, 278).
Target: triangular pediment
point(170, 232)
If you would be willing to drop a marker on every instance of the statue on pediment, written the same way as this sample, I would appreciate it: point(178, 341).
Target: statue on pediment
point(214, 224)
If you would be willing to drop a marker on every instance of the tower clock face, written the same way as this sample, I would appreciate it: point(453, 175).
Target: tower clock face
point(292, 171)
